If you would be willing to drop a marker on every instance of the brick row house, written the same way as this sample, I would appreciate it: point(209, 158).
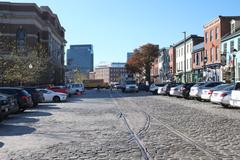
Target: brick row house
point(213, 57)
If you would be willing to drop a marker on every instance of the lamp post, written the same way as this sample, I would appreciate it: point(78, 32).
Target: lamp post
point(185, 57)
point(204, 65)
point(233, 73)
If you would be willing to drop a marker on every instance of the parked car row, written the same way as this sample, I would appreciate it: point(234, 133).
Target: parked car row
point(18, 99)
point(215, 92)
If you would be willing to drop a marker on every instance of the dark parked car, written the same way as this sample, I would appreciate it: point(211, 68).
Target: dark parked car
point(8, 105)
point(37, 97)
point(143, 87)
point(167, 87)
point(24, 99)
point(185, 89)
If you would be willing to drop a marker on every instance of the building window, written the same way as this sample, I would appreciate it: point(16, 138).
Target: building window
point(225, 48)
point(206, 37)
point(216, 33)
point(232, 26)
point(182, 52)
point(231, 46)
point(182, 66)
point(197, 59)
point(194, 57)
point(211, 35)
point(206, 53)
point(202, 56)
point(238, 44)
point(187, 48)
point(211, 55)
point(216, 54)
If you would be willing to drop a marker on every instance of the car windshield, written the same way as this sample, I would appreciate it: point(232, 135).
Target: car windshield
point(198, 84)
point(220, 87)
point(130, 82)
point(160, 84)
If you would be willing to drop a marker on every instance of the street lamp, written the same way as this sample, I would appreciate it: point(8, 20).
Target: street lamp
point(30, 66)
point(233, 73)
point(185, 57)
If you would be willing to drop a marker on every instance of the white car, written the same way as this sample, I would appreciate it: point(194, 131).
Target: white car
point(207, 93)
point(235, 95)
point(51, 96)
point(222, 96)
point(195, 90)
point(154, 88)
point(175, 91)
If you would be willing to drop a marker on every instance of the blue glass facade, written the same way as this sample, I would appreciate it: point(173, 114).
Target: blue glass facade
point(80, 57)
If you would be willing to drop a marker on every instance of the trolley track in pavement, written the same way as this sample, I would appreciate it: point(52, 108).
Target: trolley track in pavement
point(134, 136)
point(183, 136)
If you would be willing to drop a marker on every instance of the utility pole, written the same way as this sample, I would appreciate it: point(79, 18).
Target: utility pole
point(185, 80)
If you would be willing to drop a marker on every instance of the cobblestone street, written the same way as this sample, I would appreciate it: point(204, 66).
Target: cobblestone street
point(90, 127)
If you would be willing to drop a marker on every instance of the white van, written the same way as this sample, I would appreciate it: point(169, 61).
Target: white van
point(75, 87)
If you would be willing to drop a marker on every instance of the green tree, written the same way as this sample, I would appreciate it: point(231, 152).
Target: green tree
point(24, 67)
point(78, 76)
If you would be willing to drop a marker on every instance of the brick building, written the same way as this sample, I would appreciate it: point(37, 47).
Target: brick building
point(110, 73)
point(172, 62)
point(26, 25)
point(213, 33)
point(198, 62)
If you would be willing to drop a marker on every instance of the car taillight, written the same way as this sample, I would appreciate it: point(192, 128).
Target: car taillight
point(210, 92)
point(24, 98)
point(223, 95)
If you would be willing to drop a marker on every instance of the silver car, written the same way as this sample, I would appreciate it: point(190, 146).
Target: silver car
point(175, 91)
point(196, 90)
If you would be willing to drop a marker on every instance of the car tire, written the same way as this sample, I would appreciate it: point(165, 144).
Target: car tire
point(225, 105)
point(56, 99)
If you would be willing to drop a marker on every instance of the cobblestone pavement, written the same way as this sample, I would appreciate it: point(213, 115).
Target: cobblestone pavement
point(213, 128)
point(84, 128)
point(89, 128)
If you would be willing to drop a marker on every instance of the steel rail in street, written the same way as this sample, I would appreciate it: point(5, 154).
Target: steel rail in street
point(178, 133)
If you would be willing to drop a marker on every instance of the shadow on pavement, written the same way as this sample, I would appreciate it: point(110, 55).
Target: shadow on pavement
point(36, 114)
point(13, 130)
point(18, 119)
point(104, 93)
point(45, 107)
point(1, 144)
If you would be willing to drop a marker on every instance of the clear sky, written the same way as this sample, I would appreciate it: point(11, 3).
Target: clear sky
point(115, 27)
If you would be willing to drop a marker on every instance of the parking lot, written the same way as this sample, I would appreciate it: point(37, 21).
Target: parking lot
point(89, 127)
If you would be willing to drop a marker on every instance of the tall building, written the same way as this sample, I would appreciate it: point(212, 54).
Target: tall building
point(110, 73)
point(213, 33)
point(28, 25)
point(129, 55)
point(80, 57)
point(181, 48)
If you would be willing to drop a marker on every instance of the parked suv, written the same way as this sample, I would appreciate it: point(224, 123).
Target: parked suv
point(8, 105)
point(130, 86)
point(75, 88)
point(36, 96)
point(24, 99)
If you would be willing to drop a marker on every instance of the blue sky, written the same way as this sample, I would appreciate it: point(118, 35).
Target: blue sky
point(115, 27)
